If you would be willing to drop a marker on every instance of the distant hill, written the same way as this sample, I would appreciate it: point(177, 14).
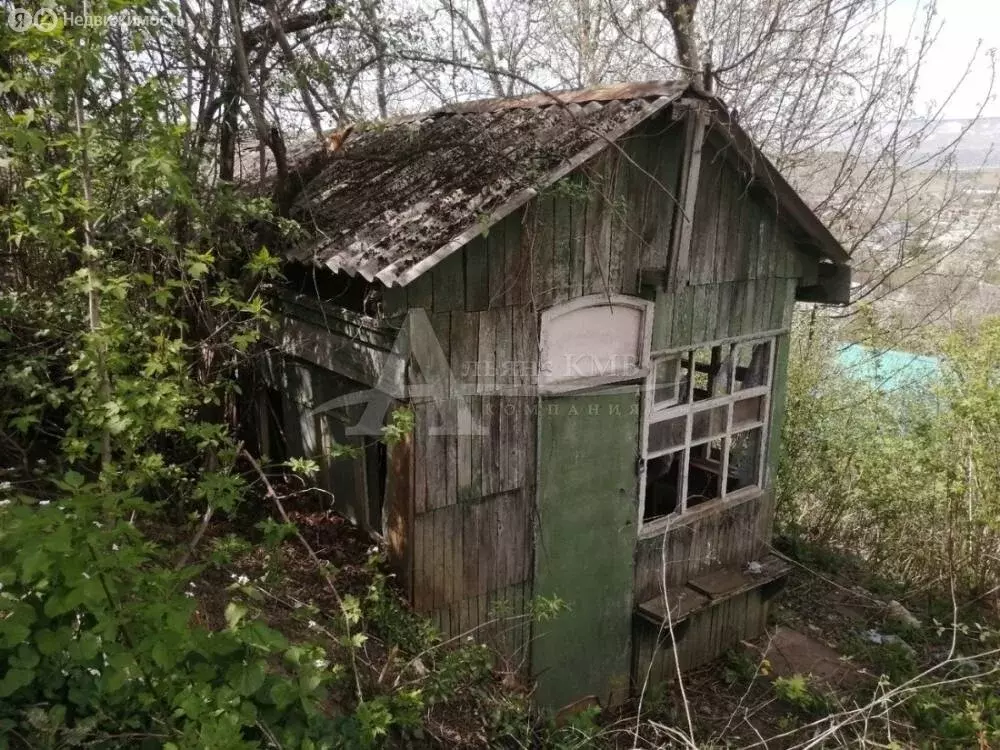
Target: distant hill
point(980, 146)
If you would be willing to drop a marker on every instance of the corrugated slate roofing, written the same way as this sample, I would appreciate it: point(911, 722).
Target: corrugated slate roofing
point(399, 196)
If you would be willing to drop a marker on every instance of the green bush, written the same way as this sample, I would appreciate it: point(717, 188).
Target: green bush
point(908, 480)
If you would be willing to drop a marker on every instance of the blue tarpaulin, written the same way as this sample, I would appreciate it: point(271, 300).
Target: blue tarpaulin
point(888, 369)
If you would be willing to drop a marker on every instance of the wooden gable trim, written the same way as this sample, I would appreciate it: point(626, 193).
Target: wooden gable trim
point(679, 255)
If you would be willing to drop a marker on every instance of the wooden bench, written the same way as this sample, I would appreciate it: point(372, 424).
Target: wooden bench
point(711, 589)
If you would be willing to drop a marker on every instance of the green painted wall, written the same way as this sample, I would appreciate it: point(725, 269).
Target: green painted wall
point(587, 506)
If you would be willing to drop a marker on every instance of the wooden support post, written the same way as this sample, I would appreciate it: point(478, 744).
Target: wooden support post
point(679, 258)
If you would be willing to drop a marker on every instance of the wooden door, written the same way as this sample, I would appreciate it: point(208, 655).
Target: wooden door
point(587, 506)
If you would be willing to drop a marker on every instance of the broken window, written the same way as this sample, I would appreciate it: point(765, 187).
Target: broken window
point(706, 422)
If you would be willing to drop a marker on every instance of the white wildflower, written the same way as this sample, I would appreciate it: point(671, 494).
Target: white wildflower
point(242, 580)
point(313, 625)
point(4, 502)
point(5, 485)
point(43, 502)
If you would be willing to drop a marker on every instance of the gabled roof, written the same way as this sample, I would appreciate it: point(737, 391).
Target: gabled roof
point(400, 196)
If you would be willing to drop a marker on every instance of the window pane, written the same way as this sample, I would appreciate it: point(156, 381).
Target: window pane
point(744, 459)
point(748, 412)
point(708, 423)
point(667, 382)
point(753, 360)
point(666, 434)
point(662, 485)
point(704, 473)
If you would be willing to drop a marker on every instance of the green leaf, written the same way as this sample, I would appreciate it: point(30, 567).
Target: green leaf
point(283, 693)
point(14, 680)
point(246, 679)
point(260, 636)
point(234, 613)
point(73, 479)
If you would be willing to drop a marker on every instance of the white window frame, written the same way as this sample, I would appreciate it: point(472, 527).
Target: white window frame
point(653, 414)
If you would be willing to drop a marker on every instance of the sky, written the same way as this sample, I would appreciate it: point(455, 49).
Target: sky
point(963, 24)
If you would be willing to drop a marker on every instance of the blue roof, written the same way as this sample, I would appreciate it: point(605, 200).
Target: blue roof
point(888, 369)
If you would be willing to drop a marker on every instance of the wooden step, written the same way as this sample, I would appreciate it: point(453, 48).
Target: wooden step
point(710, 589)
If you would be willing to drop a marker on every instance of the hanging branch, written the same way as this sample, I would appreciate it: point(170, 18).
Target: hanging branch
point(300, 78)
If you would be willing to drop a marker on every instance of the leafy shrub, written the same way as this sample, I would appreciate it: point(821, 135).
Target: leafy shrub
point(907, 479)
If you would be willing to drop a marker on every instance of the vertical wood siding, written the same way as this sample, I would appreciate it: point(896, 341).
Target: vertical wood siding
point(469, 530)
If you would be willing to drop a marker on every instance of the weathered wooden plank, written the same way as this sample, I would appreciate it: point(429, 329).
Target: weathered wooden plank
point(668, 173)
point(525, 356)
point(464, 360)
point(700, 312)
point(706, 218)
point(470, 560)
point(577, 239)
point(750, 227)
point(749, 308)
point(441, 553)
point(562, 247)
point(487, 547)
point(778, 301)
point(477, 278)
point(440, 442)
point(496, 258)
point(635, 193)
point(487, 386)
point(604, 201)
point(767, 242)
point(420, 430)
point(542, 215)
point(723, 321)
point(683, 316)
point(681, 261)
point(663, 319)
point(741, 235)
point(515, 266)
point(422, 547)
point(394, 300)
point(726, 197)
point(449, 283)
point(420, 292)
point(504, 437)
point(399, 512)
point(764, 308)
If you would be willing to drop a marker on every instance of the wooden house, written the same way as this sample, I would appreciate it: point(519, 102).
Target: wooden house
point(584, 300)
